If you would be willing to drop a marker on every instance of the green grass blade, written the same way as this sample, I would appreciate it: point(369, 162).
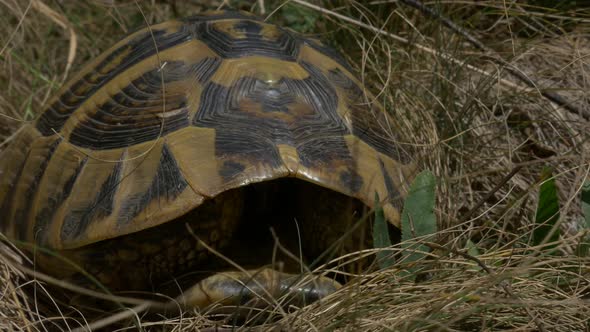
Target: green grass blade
point(381, 236)
point(547, 210)
point(584, 246)
point(418, 217)
point(586, 204)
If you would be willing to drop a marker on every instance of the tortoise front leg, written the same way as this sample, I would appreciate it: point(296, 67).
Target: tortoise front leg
point(257, 289)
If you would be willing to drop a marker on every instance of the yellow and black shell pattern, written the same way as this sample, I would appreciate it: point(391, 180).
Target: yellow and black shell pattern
point(176, 114)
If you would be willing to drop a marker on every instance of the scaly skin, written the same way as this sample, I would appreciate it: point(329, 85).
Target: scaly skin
point(257, 289)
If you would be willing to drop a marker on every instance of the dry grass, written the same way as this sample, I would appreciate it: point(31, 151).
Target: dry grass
point(462, 114)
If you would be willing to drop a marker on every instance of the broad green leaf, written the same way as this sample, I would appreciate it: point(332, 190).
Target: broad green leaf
point(299, 18)
point(547, 210)
point(381, 236)
point(418, 217)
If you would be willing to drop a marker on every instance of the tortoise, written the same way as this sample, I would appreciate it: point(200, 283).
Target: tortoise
point(196, 142)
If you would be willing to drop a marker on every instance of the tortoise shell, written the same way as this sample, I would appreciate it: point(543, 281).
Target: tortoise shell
point(174, 116)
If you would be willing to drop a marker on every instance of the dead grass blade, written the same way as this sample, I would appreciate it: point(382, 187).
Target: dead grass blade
point(64, 24)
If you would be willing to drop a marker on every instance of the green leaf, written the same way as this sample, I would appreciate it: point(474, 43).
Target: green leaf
point(471, 248)
point(418, 217)
point(472, 251)
point(547, 210)
point(301, 19)
point(381, 236)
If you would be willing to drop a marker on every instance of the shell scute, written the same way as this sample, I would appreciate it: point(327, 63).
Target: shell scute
point(166, 185)
point(50, 203)
point(141, 111)
point(106, 68)
point(243, 38)
point(12, 161)
point(40, 153)
point(93, 203)
point(155, 97)
point(26, 179)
